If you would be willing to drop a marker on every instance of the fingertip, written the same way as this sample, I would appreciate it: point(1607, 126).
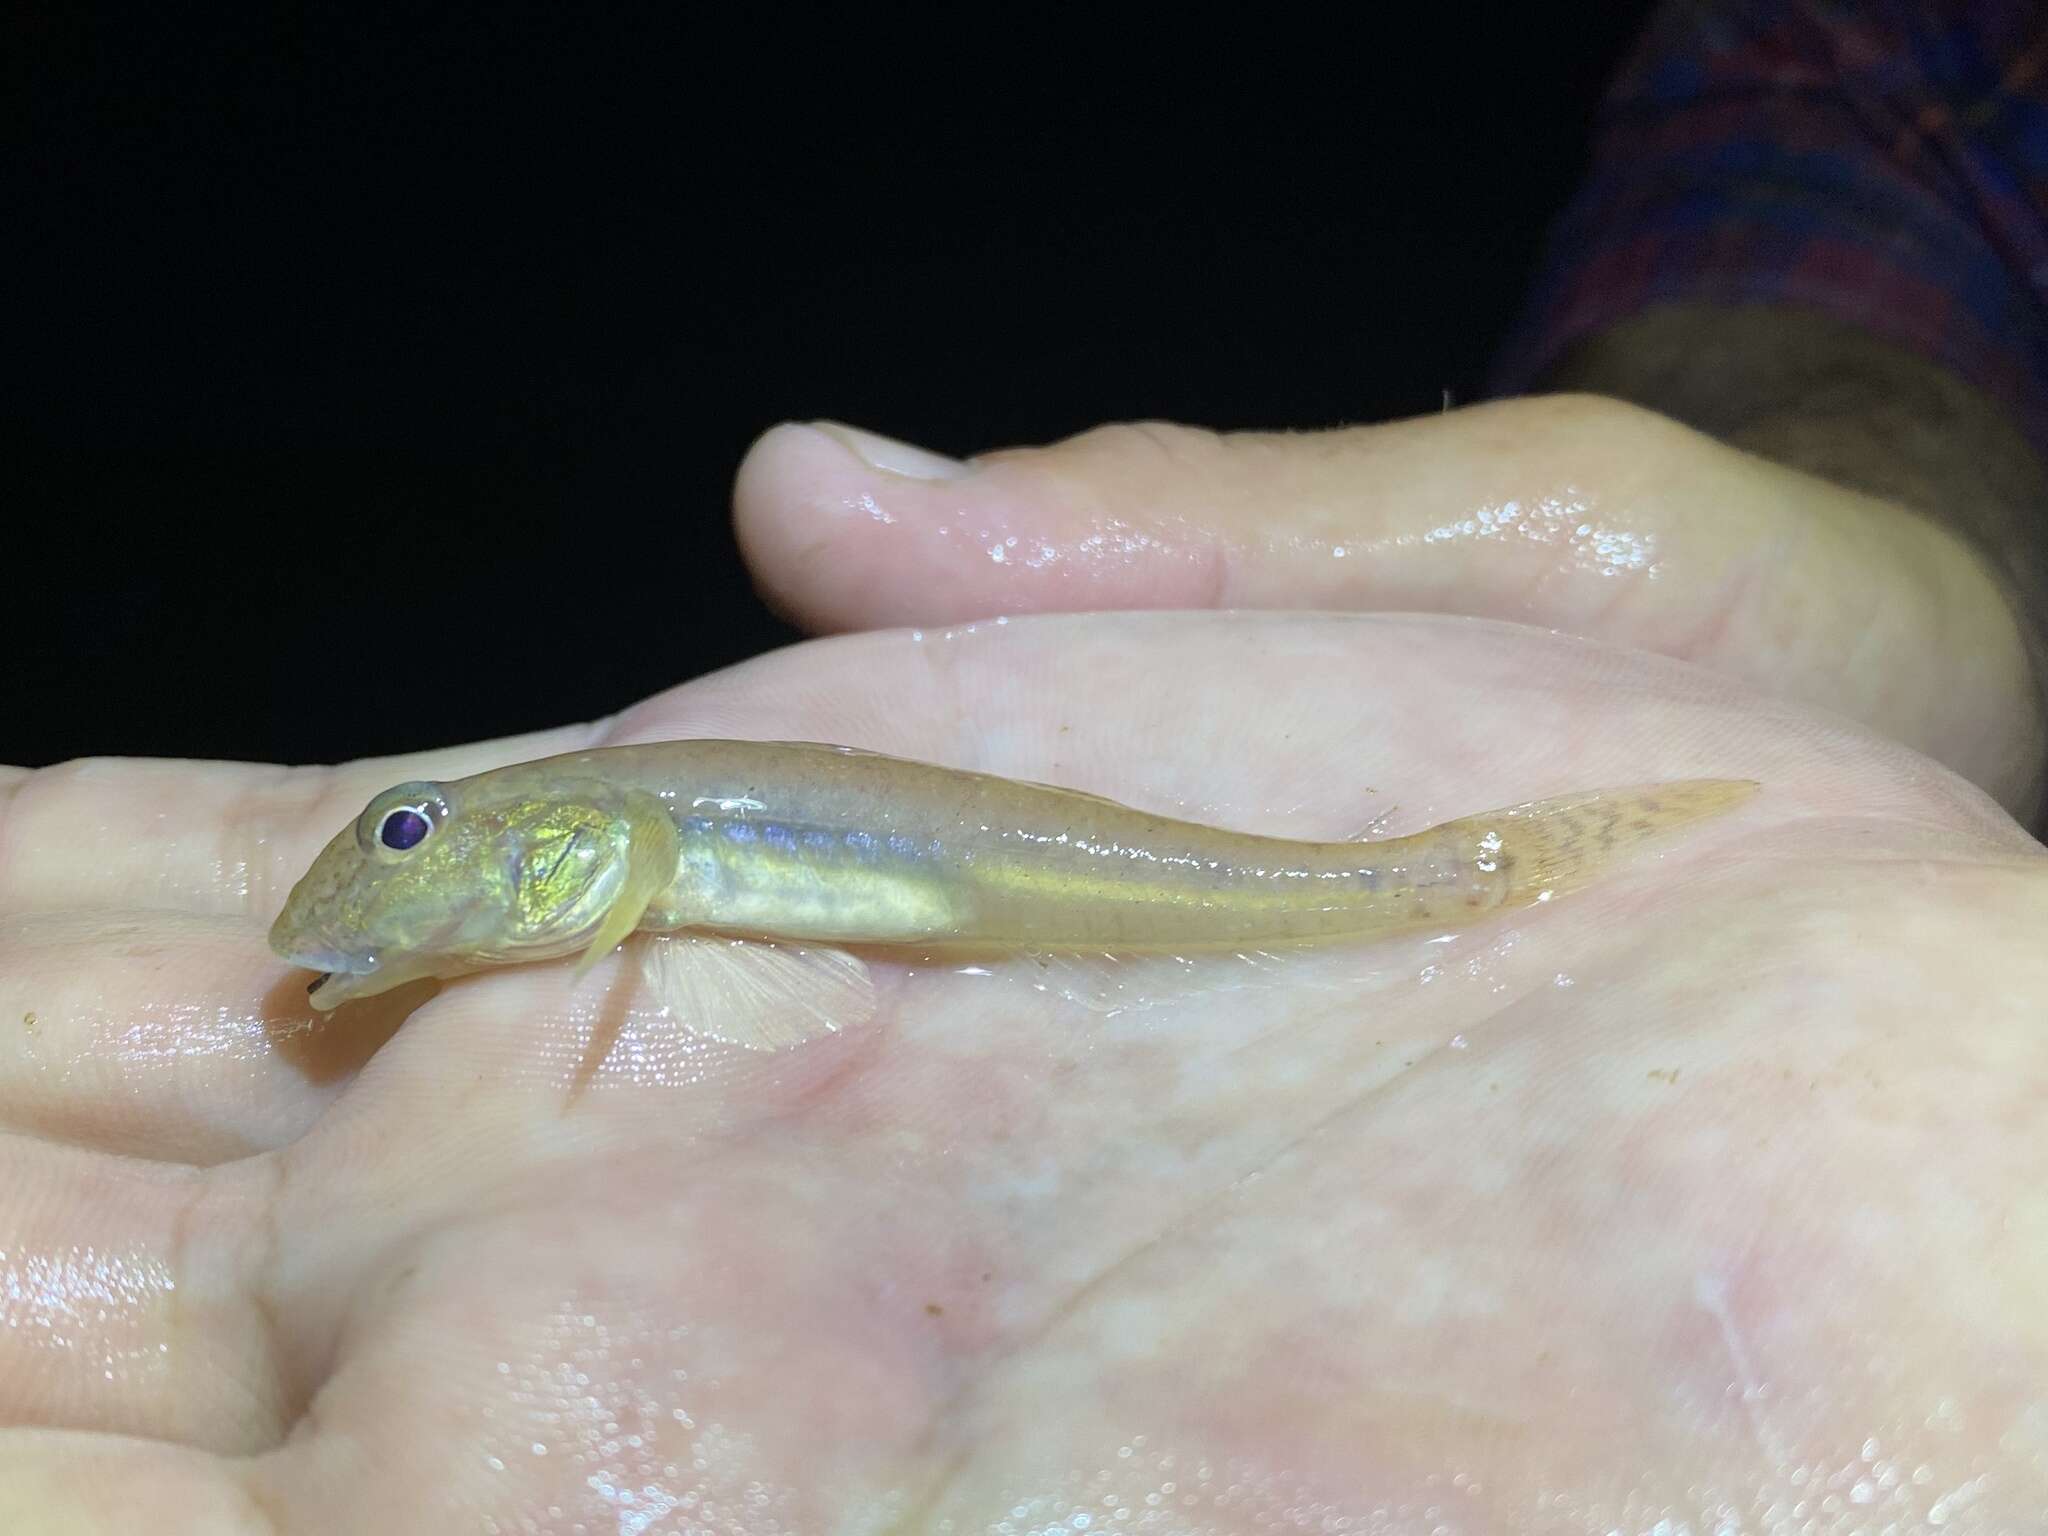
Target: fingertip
point(785, 458)
point(843, 529)
point(788, 498)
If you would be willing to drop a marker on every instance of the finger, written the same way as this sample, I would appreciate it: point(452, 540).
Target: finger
point(141, 1011)
point(125, 1304)
point(161, 1035)
point(200, 837)
point(58, 1483)
point(1574, 512)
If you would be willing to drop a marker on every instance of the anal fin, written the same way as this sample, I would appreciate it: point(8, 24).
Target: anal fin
point(1111, 984)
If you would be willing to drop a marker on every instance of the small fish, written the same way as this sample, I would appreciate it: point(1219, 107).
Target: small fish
point(763, 859)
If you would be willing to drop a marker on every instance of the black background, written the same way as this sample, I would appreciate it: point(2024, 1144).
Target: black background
point(373, 388)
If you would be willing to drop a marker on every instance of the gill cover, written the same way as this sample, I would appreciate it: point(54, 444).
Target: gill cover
point(763, 996)
point(651, 853)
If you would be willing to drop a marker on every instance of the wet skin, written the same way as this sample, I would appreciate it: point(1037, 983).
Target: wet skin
point(1718, 1185)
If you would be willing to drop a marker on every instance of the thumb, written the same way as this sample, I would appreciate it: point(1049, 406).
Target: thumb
point(1570, 512)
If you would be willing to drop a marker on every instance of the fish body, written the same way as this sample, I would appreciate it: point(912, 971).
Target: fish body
point(822, 845)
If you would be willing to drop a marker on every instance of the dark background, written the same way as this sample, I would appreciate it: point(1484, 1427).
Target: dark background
point(367, 390)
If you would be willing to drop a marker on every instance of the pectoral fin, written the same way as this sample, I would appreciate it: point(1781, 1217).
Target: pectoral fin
point(764, 996)
point(651, 848)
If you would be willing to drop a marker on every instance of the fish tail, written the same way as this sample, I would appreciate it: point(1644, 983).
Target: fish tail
point(1546, 848)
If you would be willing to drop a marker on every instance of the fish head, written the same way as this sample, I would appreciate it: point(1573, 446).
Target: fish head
point(446, 879)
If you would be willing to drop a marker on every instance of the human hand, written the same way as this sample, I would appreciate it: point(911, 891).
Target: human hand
point(1572, 512)
point(1712, 1193)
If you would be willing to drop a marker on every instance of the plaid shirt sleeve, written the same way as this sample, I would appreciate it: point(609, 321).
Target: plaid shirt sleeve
point(1883, 162)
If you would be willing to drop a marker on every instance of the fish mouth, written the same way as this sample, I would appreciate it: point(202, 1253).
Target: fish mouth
point(337, 974)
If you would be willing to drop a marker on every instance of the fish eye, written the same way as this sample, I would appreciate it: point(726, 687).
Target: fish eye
point(403, 828)
point(401, 818)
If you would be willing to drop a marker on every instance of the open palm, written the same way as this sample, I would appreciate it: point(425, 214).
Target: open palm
point(1712, 1194)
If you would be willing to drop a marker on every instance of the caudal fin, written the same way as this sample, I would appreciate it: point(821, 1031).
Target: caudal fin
point(1549, 847)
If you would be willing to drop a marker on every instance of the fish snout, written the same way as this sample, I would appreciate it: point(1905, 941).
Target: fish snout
point(326, 958)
